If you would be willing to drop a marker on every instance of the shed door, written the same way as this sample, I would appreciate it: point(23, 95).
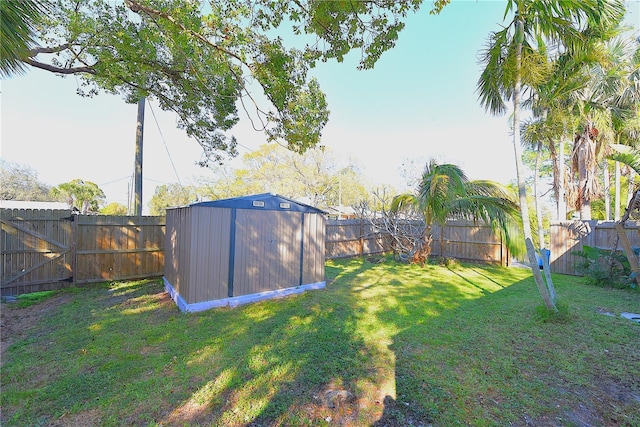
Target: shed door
point(267, 251)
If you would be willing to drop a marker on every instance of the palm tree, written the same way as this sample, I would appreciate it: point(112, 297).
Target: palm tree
point(17, 22)
point(78, 192)
point(444, 192)
point(551, 102)
point(507, 61)
point(602, 78)
point(598, 105)
point(626, 110)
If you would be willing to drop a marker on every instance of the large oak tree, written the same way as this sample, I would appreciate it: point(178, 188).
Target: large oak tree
point(206, 61)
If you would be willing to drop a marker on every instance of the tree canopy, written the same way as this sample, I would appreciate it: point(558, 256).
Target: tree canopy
point(204, 60)
point(315, 177)
point(171, 195)
point(86, 196)
point(20, 182)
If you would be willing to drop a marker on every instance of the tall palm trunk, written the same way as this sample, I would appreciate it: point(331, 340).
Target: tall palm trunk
point(522, 192)
point(616, 208)
point(562, 171)
point(630, 189)
point(538, 202)
point(585, 151)
point(559, 172)
point(536, 192)
point(607, 191)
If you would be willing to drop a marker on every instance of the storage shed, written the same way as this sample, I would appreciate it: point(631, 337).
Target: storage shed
point(234, 251)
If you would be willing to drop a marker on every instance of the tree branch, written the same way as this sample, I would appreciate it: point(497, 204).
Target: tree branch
point(60, 70)
point(137, 8)
point(35, 51)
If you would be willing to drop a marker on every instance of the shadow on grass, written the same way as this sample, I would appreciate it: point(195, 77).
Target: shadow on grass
point(383, 344)
point(489, 359)
point(124, 351)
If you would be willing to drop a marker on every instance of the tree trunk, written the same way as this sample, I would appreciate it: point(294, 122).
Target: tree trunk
point(607, 189)
point(586, 161)
point(538, 203)
point(562, 193)
point(628, 250)
point(616, 209)
point(584, 201)
point(522, 192)
point(536, 193)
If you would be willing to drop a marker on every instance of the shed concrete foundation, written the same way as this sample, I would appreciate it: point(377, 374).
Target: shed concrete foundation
point(236, 301)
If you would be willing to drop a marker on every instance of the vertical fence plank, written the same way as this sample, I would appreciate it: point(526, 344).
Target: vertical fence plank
point(462, 240)
point(35, 250)
point(103, 248)
point(568, 237)
point(120, 247)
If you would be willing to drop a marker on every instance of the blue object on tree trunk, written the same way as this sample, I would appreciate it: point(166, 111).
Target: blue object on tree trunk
point(544, 252)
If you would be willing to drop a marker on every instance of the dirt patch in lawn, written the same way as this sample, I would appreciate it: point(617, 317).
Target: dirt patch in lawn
point(15, 322)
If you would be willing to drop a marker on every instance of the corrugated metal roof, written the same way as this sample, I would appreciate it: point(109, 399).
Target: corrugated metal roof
point(264, 201)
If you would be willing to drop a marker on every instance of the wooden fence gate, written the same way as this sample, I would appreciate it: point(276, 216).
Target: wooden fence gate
point(37, 250)
point(44, 250)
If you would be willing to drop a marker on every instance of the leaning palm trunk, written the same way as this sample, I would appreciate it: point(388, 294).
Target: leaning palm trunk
point(634, 205)
point(522, 192)
point(543, 255)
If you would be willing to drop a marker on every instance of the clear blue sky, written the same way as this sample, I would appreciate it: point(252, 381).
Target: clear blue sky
point(419, 102)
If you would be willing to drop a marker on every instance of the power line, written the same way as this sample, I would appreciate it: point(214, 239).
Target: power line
point(157, 181)
point(165, 144)
point(115, 180)
point(196, 72)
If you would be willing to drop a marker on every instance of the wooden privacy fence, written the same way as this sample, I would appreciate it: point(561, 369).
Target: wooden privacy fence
point(50, 249)
point(352, 237)
point(569, 236)
point(37, 250)
point(462, 240)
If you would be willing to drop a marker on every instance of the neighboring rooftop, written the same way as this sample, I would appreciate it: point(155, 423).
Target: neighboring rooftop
point(26, 204)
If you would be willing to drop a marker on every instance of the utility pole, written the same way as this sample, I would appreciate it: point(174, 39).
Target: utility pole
point(137, 202)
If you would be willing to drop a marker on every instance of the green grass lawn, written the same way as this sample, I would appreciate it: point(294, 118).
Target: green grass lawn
point(383, 345)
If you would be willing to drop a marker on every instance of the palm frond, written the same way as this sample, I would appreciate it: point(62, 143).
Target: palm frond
point(491, 84)
point(446, 193)
point(626, 155)
point(18, 19)
point(403, 201)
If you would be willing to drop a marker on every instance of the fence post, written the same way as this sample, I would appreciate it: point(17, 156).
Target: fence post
point(361, 238)
point(73, 248)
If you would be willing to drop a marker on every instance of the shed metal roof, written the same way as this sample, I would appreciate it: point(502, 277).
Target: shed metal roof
point(264, 201)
